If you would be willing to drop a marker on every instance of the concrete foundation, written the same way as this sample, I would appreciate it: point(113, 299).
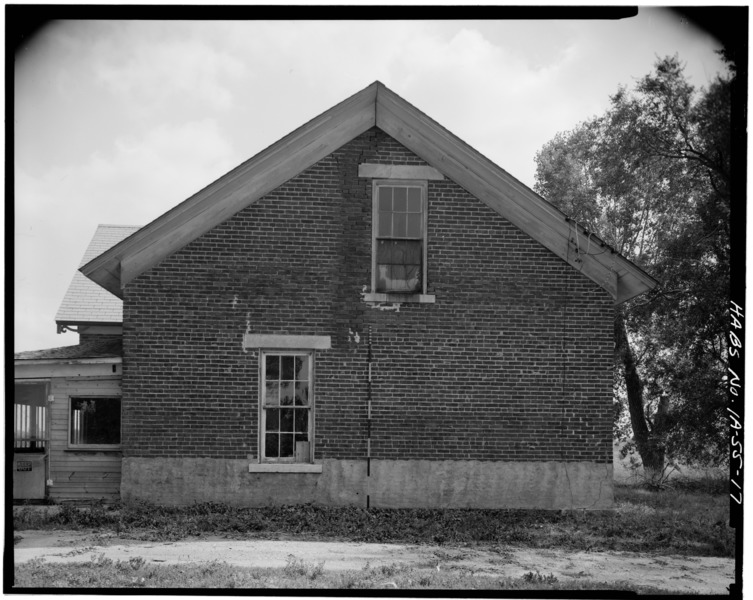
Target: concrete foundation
point(391, 484)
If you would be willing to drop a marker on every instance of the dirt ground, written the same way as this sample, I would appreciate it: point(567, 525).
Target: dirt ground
point(704, 575)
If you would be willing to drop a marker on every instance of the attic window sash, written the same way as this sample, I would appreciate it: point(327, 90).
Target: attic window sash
point(399, 236)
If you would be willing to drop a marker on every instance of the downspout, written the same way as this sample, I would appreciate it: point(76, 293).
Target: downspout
point(48, 439)
point(368, 423)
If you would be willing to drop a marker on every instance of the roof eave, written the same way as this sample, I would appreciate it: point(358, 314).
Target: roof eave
point(510, 198)
point(237, 189)
point(68, 361)
point(632, 285)
point(85, 323)
point(374, 105)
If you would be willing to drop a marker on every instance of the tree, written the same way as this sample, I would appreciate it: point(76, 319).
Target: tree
point(651, 176)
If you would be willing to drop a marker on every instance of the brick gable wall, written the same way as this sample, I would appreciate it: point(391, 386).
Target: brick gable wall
point(512, 362)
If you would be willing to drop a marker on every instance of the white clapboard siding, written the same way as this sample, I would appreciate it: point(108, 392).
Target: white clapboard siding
point(79, 474)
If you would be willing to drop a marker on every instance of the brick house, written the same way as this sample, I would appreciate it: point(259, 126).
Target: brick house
point(368, 312)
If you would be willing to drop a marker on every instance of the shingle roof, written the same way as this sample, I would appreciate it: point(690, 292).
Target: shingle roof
point(105, 348)
point(85, 301)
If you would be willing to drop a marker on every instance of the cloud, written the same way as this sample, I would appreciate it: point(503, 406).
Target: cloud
point(57, 213)
point(137, 116)
point(160, 69)
point(486, 94)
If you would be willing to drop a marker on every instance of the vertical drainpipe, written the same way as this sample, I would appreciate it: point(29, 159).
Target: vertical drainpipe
point(48, 437)
point(368, 424)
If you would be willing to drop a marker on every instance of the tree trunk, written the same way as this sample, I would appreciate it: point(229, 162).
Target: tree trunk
point(651, 452)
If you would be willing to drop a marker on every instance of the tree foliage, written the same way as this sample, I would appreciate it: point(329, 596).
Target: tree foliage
point(652, 177)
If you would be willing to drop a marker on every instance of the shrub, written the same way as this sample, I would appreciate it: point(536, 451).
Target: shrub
point(299, 567)
point(537, 577)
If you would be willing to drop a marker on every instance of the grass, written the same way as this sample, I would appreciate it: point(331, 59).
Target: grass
point(100, 572)
point(688, 521)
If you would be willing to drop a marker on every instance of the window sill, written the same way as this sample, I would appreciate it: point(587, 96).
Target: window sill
point(284, 468)
point(399, 298)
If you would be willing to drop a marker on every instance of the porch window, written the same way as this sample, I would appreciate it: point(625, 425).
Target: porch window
point(94, 422)
point(287, 406)
point(399, 237)
point(30, 417)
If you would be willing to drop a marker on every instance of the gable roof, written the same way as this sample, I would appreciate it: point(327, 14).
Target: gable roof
point(85, 301)
point(377, 106)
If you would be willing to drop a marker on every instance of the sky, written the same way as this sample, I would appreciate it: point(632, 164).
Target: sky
point(116, 122)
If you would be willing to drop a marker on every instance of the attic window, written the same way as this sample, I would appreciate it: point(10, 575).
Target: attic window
point(399, 237)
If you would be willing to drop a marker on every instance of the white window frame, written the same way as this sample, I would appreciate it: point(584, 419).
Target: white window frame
point(285, 463)
point(415, 183)
point(397, 296)
point(73, 446)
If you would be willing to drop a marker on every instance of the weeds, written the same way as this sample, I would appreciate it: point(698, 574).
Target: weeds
point(537, 577)
point(98, 573)
point(299, 567)
point(680, 521)
point(136, 562)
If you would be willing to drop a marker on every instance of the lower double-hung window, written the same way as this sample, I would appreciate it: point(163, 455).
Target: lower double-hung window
point(287, 407)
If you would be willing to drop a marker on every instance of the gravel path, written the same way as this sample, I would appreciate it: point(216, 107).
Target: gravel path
point(704, 575)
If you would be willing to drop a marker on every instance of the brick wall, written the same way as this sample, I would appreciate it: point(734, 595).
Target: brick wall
point(512, 362)
point(102, 338)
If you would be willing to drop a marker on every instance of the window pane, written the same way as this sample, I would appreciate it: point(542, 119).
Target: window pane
point(273, 367)
point(414, 200)
point(384, 252)
point(301, 420)
point(31, 394)
point(273, 419)
point(287, 393)
point(272, 393)
point(301, 394)
point(385, 224)
point(400, 203)
point(385, 198)
point(413, 278)
point(399, 225)
point(301, 437)
point(398, 278)
point(286, 445)
point(399, 252)
point(414, 225)
point(301, 368)
point(95, 421)
point(272, 445)
point(288, 367)
point(413, 253)
point(383, 277)
point(286, 419)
